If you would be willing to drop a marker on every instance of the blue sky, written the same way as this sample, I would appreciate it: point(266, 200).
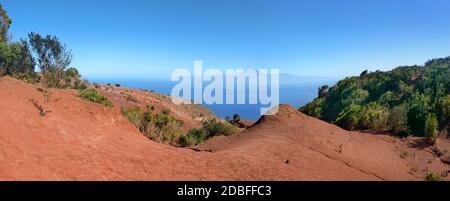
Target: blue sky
point(148, 39)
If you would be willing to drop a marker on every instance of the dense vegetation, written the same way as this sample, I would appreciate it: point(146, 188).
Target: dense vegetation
point(409, 100)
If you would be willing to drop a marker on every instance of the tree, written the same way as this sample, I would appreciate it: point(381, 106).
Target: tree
point(323, 90)
point(364, 73)
point(447, 108)
point(417, 114)
point(355, 97)
point(443, 109)
point(5, 22)
point(16, 58)
point(387, 98)
point(27, 62)
point(52, 58)
point(51, 54)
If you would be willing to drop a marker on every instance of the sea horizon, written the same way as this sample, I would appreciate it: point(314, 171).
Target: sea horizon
point(295, 93)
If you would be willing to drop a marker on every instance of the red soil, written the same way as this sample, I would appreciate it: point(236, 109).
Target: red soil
point(80, 140)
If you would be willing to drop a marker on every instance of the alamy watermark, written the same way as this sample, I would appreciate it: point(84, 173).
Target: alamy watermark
point(235, 86)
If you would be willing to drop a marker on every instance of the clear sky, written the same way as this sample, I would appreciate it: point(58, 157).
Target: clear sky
point(148, 39)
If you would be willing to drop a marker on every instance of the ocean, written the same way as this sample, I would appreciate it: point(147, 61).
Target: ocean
point(296, 93)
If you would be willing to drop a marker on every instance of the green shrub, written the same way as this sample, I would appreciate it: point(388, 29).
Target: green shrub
point(387, 98)
point(93, 96)
point(186, 141)
point(72, 73)
point(80, 85)
point(134, 115)
point(446, 108)
point(27, 77)
point(432, 177)
point(16, 58)
point(163, 128)
point(355, 97)
point(53, 78)
point(314, 108)
point(397, 120)
point(160, 127)
point(58, 78)
point(350, 118)
point(417, 114)
point(431, 128)
point(374, 117)
point(194, 137)
point(213, 127)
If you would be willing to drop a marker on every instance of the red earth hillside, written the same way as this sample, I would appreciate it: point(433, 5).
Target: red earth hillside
point(80, 140)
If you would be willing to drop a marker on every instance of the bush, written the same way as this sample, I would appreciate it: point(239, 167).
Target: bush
point(387, 98)
point(432, 177)
point(72, 73)
point(27, 77)
point(80, 85)
point(213, 127)
point(58, 78)
point(163, 128)
point(314, 108)
point(431, 128)
point(417, 115)
point(194, 137)
point(160, 127)
point(350, 118)
point(93, 96)
point(374, 117)
point(397, 120)
point(355, 97)
point(53, 78)
point(134, 116)
point(16, 59)
point(446, 108)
